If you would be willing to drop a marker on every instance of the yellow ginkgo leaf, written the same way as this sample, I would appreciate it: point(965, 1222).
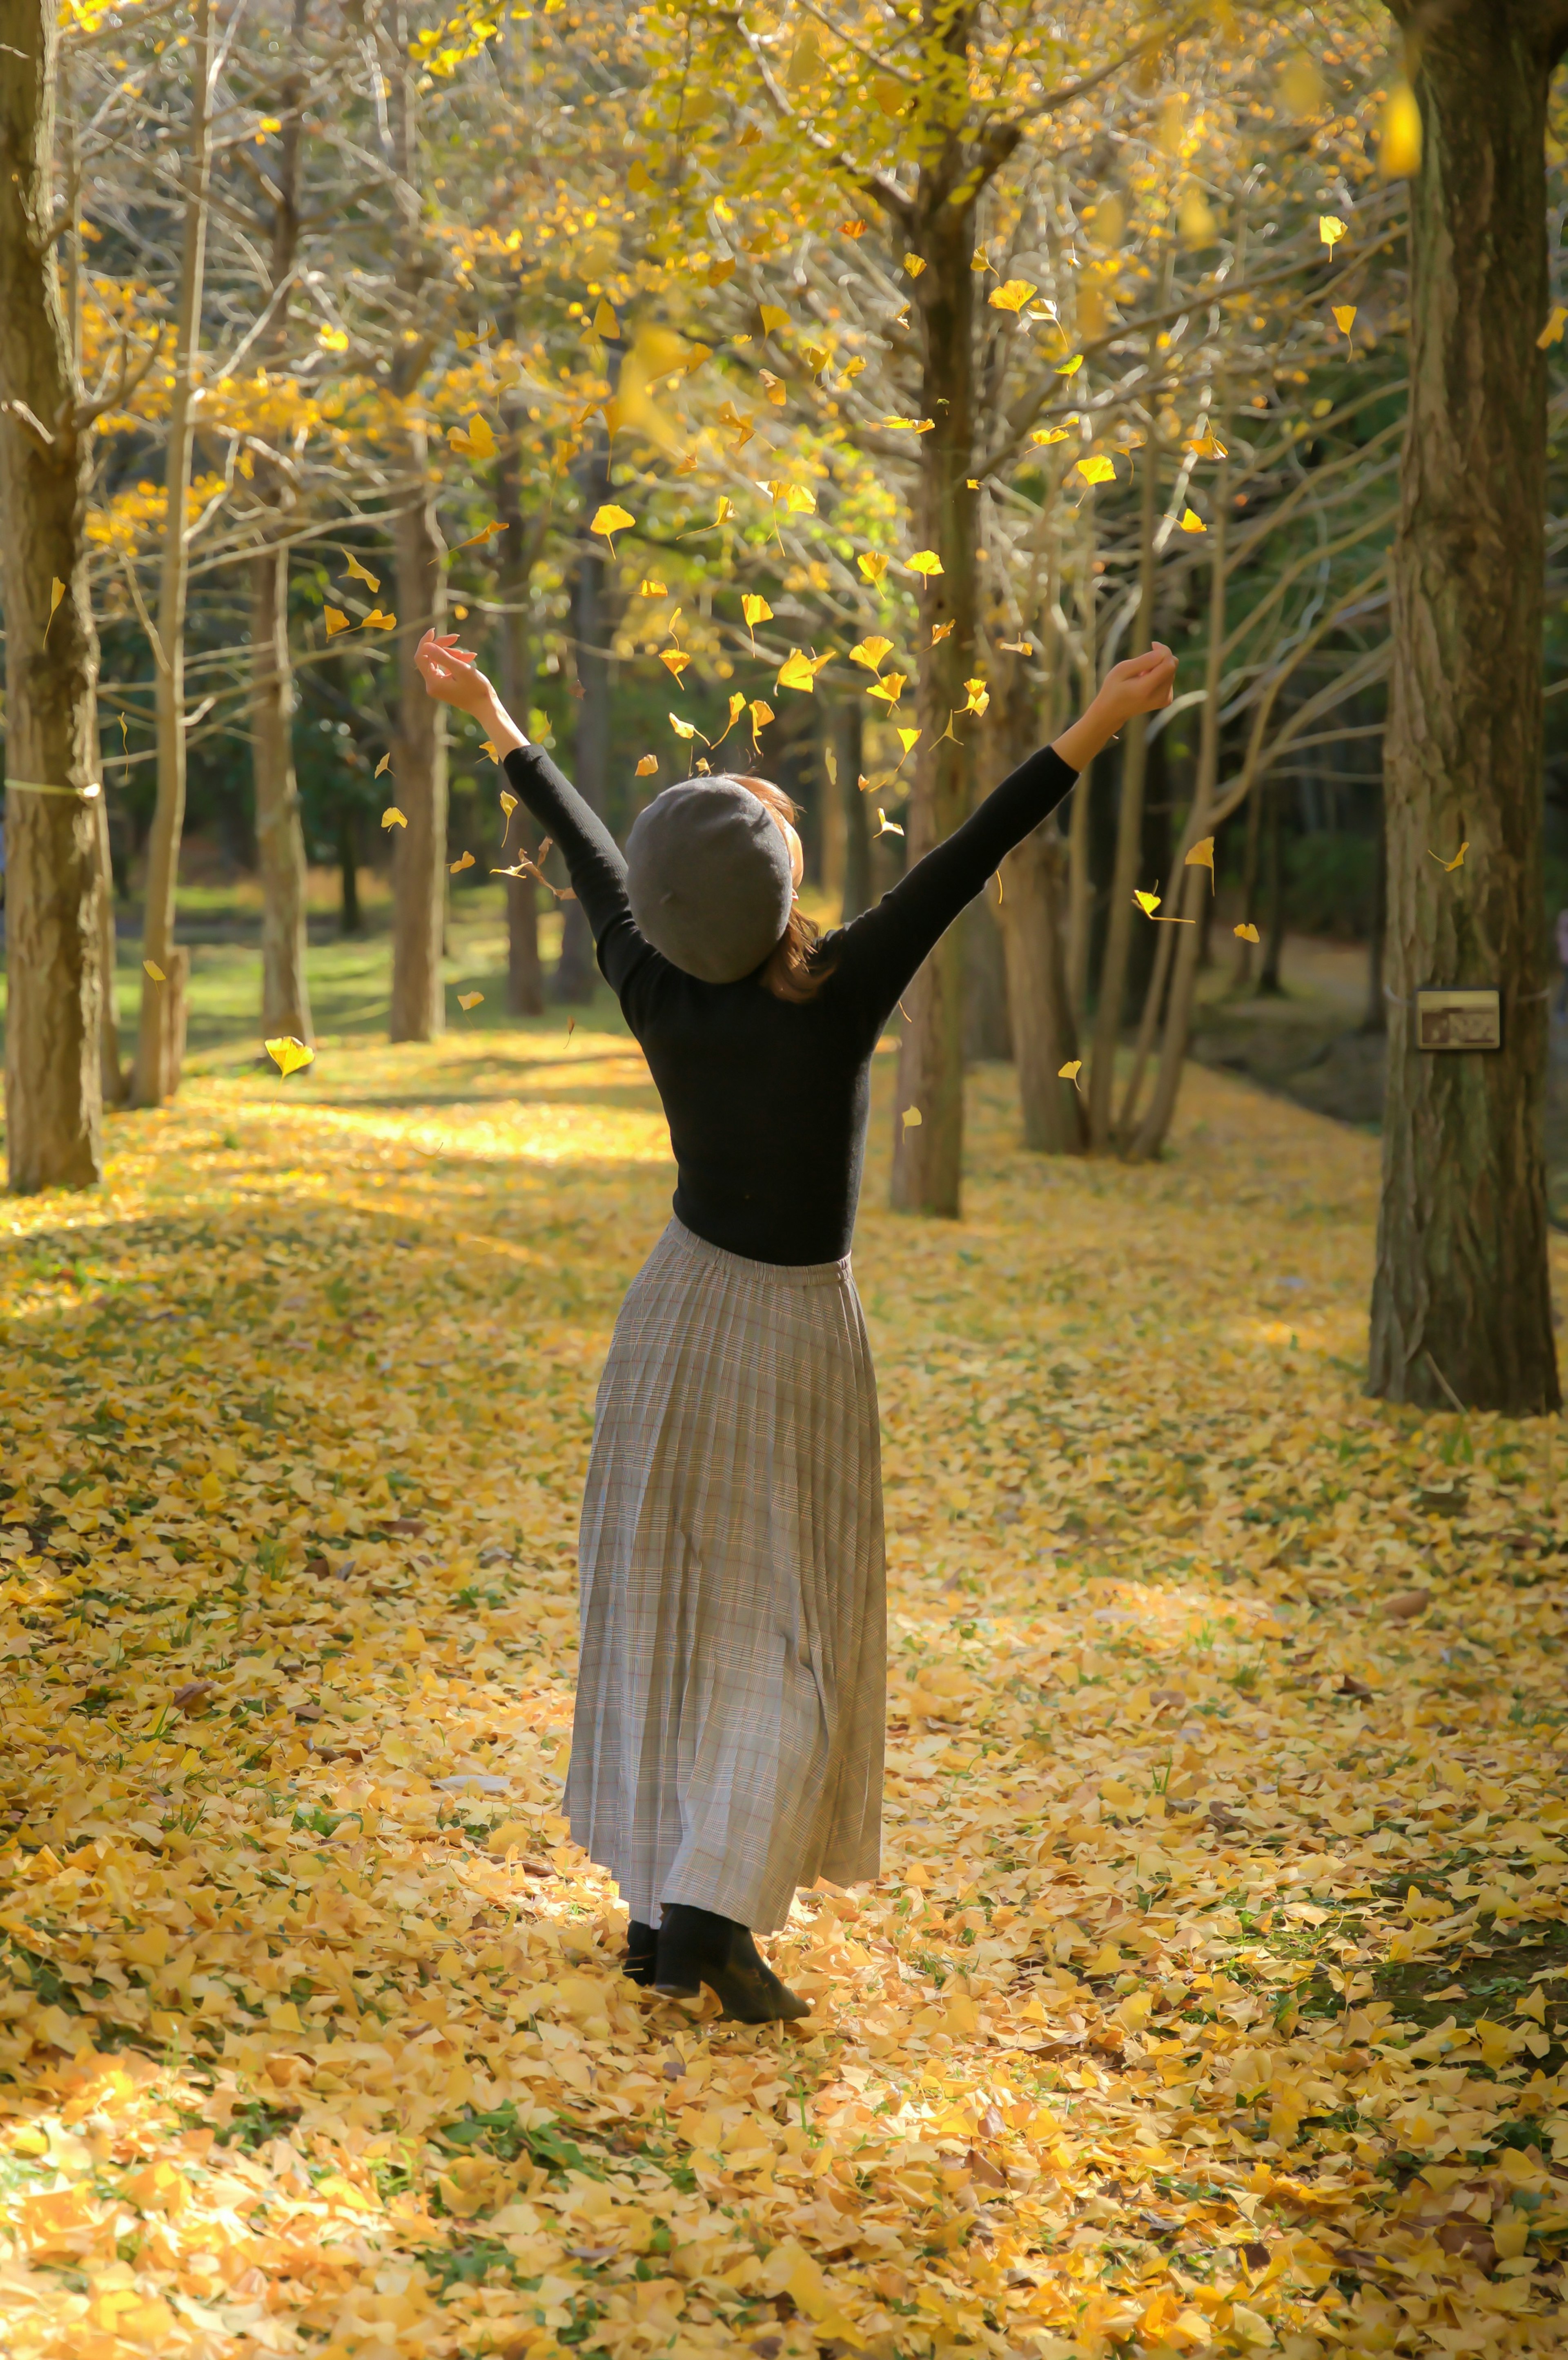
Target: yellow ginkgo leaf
point(1206, 445)
point(1344, 317)
point(647, 767)
point(468, 999)
point(1071, 1070)
point(151, 968)
point(872, 563)
point(914, 264)
point(475, 441)
point(1450, 866)
point(1048, 434)
point(907, 737)
point(1097, 470)
point(604, 321)
point(358, 573)
point(926, 561)
point(776, 389)
point(1552, 332)
point(870, 653)
point(486, 534)
point(650, 589)
point(941, 631)
point(1012, 296)
point(725, 512)
point(393, 817)
point(799, 500)
point(1191, 521)
point(1072, 367)
point(889, 688)
point(1330, 229)
point(609, 520)
point(756, 610)
point(682, 729)
point(979, 696)
point(886, 826)
point(57, 592)
point(912, 1118)
point(464, 860)
point(910, 425)
point(507, 801)
point(385, 764)
point(488, 748)
point(799, 671)
point(288, 1054)
point(675, 659)
point(376, 621)
point(772, 318)
point(761, 715)
point(1245, 933)
point(1202, 857)
point(1147, 903)
point(335, 621)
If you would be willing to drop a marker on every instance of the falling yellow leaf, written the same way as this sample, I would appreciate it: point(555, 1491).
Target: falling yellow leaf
point(468, 999)
point(1147, 903)
point(910, 425)
point(1012, 296)
point(1207, 446)
point(799, 671)
point(761, 715)
point(682, 729)
point(979, 696)
point(151, 966)
point(907, 737)
point(609, 520)
point(475, 441)
point(941, 631)
point(870, 653)
point(385, 764)
point(335, 621)
point(872, 563)
point(815, 358)
point(288, 1054)
point(650, 589)
point(886, 826)
point(772, 318)
point(57, 592)
point(464, 860)
point(487, 746)
point(393, 817)
point(507, 801)
point(604, 321)
point(376, 621)
point(914, 264)
point(755, 609)
point(1246, 933)
point(889, 688)
point(926, 561)
point(1097, 470)
point(1071, 1071)
point(911, 1117)
point(1201, 855)
point(1344, 317)
point(1330, 229)
point(647, 767)
point(675, 659)
point(486, 534)
point(1191, 521)
point(1449, 866)
point(774, 388)
point(1400, 147)
point(1048, 434)
point(1552, 332)
point(1017, 646)
point(1072, 367)
point(358, 573)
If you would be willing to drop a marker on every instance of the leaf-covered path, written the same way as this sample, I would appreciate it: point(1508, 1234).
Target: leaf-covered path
point(1209, 2000)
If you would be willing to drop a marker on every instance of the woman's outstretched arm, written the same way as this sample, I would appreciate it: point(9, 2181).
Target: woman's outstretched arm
point(879, 952)
point(593, 857)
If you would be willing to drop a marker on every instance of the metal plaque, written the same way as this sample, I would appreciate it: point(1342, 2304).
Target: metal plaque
point(1459, 1020)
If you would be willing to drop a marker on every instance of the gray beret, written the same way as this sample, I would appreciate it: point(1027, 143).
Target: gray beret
point(708, 879)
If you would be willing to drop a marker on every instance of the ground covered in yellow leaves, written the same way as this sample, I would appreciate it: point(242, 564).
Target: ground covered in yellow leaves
point(1210, 1999)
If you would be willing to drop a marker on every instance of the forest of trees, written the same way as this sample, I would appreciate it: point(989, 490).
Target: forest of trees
point(835, 392)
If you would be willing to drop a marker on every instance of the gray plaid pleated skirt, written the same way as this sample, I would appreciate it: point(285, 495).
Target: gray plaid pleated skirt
point(731, 1698)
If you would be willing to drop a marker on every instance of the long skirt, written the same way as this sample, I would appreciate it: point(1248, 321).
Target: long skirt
point(731, 1695)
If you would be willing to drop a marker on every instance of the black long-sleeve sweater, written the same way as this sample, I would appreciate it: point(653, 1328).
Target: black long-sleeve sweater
point(766, 1099)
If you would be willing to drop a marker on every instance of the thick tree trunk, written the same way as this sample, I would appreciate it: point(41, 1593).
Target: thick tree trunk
point(1044, 1036)
point(161, 1028)
point(850, 745)
point(928, 1154)
point(419, 859)
point(987, 1024)
point(1461, 1304)
point(55, 880)
point(525, 976)
point(349, 919)
point(1269, 986)
point(576, 973)
point(281, 840)
point(1129, 838)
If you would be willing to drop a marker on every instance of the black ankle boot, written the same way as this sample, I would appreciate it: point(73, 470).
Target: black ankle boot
point(642, 1949)
point(698, 1946)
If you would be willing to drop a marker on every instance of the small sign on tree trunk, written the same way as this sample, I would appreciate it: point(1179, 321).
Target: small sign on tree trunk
point(1458, 1020)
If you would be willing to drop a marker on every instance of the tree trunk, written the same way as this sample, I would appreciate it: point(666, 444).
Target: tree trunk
point(281, 840)
point(55, 882)
point(419, 858)
point(1376, 1017)
point(1241, 981)
point(1268, 984)
point(987, 1026)
point(349, 920)
point(1461, 1303)
point(525, 977)
point(1044, 1035)
point(156, 1074)
point(113, 1074)
point(1129, 837)
point(850, 740)
point(575, 975)
point(928, 1155)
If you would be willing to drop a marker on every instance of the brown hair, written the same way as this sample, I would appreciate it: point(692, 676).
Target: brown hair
point(790, 972)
